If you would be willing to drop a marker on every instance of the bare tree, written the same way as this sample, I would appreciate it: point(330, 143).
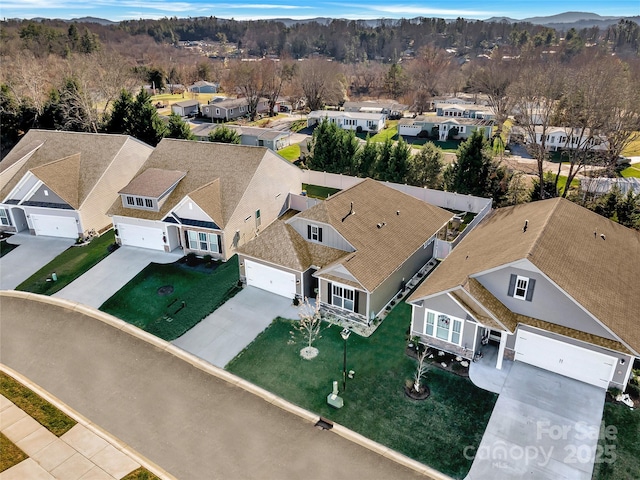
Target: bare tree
point(310, 326)
point(535, 96)
point(274, 76)
point(421, 369)
point(319, 82)
point(427, 72)
point(245, 78)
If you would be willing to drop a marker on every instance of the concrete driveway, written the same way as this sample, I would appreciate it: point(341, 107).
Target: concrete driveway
point(111, 274)
point(543, 426)
point(227, 331)
point(33, 253)
point(187, 421)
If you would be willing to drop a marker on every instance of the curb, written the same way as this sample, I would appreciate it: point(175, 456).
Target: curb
point(217, 372)
point(116, 442)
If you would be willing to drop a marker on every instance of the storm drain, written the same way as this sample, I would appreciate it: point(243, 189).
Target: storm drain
point(324, 424)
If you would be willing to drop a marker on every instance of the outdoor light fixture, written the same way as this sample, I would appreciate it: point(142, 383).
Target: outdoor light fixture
point(345, 335)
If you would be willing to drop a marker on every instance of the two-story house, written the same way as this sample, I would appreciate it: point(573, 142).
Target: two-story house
point(206, 198)
point(547, 283)
point(354, 251)
point(61, 184)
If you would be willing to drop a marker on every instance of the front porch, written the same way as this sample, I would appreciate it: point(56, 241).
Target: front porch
point(483, 372)
point(446, 347)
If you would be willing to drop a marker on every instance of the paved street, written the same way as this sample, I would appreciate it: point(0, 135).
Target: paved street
point(192, 424)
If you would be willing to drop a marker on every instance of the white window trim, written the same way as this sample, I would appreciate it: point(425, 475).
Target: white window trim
point(4, 217)
point(342, 297)
point(315, 233)
point(516, 288)
point(453, 320)
point(198, 241)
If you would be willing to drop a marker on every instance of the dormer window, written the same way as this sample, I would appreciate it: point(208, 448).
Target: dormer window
point(139, 202)
point(314, 232)
point(130, 200)
point(143, 203)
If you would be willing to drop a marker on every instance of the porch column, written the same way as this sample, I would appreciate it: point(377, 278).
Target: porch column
point(503, 344)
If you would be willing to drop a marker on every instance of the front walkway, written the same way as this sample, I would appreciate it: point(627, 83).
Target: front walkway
point(33, 253)
point(100, 283)
point(483, 372)
point(78, 454)
point(543, 426)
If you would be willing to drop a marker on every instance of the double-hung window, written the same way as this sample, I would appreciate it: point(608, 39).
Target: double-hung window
point(4, 217)
point(130, 200)
point(443, 327)
point(203, 241)
point(521, 287)
point(343, 297)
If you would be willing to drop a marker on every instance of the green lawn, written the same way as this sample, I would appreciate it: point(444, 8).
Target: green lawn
point(6, 248)
point(449, 146)
point(291, 153)
point(631, 171)
point(201, 289)
point(434, 431)
point(620, 458)
point(42, 411)
point(633, 149)
point(298, 125)
point(10, 454)
point(391, 132)
point(68, 266)
point(562, 182)
point(316, 191)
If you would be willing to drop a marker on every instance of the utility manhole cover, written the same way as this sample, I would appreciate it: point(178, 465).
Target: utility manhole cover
point(165, 290)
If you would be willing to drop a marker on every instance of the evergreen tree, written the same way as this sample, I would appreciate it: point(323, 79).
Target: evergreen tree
point(147, 125)
point(384, 159)
point(68, 108)
point(348, 154)
point(224, 134)
point(121, 117)
point(425, 168)
point(367, 159)
point(475, 172)
point(397, 168)
point(325, 148)
point(178, 128)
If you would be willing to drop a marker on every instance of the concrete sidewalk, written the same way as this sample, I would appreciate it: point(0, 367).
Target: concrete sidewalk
point(78, 454)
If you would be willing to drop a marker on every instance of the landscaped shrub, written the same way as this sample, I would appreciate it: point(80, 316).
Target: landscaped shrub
point(192, 259)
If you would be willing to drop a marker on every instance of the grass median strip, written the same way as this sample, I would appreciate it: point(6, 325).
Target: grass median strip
point(35, 406)
point(10, 454)
point(141, 474)
point(68, 266)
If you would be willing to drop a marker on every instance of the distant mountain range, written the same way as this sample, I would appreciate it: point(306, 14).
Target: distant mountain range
point(561, 21)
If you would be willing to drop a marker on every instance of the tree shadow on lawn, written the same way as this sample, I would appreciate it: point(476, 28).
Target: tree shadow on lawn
point(434, 431)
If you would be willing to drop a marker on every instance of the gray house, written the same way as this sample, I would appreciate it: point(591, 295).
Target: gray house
point(225, 109)
point(462, 128)
point(202, 86)
point(546, 283)
point(355, 250)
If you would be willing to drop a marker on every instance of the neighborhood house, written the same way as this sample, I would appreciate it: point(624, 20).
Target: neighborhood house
point(362, 122)
point(225, 109)
point(354, 251)
point(444, 128)
point(547, 283)
point(202, 197)
point(61, 184)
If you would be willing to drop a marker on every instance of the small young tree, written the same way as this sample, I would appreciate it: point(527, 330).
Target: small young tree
point(310, 326)
point(421, 369)
point(224, 134)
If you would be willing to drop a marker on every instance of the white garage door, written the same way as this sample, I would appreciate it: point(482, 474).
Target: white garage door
point(52, 226)
point(270, 279)
point(137, 236)
point(568, 360)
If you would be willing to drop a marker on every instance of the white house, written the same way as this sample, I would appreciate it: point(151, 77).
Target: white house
point(364, 122)
point(561, 138)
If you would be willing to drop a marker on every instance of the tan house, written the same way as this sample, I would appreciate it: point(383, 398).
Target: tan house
point(202, 197)
point(61, 184)
point(547, 283)
point(355, 250)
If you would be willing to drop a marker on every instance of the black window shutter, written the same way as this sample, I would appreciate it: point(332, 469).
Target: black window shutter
point(186, 239)
point(356, 299)
point(319, 234)
point(329, 293)
point(309, 232)
point(512, 285)
point(532, 284)
point(220, 244)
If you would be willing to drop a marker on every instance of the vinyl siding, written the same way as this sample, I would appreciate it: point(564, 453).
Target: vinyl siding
point(190, 210)
point(50, 197)
point(330, 236)
point(123, 168)
point(267, 191)
point(7, 175)
point(30, 180)
point(548, 303)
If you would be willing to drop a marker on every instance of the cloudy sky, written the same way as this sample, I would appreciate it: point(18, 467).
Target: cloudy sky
point(116, 10)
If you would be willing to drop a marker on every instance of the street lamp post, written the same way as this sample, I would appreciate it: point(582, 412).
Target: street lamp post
point(345, 335)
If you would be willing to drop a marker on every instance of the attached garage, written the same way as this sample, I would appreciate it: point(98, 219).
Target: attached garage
point(270, 279)
point(54, 226)
point(565, 359)
point(144, 237)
